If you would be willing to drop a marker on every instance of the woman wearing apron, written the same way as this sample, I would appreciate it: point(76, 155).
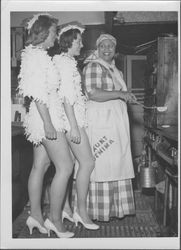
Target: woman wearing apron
point(110, 190)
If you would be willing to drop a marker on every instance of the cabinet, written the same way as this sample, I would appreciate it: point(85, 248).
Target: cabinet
point(22, 158)
point(162, 83)
point(167, 80)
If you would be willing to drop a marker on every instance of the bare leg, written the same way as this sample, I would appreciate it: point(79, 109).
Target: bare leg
point(67, 207)
point(41, 163)
point(59, 153)
point(86, 161)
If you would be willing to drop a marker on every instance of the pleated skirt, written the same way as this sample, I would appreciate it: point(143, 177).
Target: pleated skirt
point(108, 199)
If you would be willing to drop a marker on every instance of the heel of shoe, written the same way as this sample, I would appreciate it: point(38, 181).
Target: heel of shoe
point(76, 223)
point(29, 225)
point(65, 215)
point(48, 231)
point(33, 223)
point(30, 229)
point(51, 227)
point(77, 219)
point(47, 225)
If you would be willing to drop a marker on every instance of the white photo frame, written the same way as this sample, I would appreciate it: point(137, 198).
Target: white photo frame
point(29, 7)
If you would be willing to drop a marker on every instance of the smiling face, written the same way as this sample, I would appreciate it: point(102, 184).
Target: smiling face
point(49, 42)
point(106, 50)
point(76, 46)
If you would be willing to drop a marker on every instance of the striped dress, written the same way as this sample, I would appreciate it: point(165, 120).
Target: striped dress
point(110, 189)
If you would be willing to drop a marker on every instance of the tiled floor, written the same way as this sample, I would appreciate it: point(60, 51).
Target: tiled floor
point(142, 224)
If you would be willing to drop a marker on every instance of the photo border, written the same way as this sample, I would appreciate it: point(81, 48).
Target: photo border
point(7, 242)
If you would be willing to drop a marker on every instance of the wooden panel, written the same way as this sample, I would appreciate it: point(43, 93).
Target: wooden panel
point(167, 80)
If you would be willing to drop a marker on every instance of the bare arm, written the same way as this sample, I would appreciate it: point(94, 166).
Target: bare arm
point(74, 129)
point(93, 74)
point(100, 95)
point(50, 131)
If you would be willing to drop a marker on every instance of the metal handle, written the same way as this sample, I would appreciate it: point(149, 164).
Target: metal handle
point(160, 109)
point(146, 107)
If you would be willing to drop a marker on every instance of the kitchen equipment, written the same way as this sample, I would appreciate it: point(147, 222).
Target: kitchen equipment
point(147, 177)
point(159, 109)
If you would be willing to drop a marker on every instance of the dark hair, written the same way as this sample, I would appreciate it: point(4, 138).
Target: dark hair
point(66, 39)
point(40, 29)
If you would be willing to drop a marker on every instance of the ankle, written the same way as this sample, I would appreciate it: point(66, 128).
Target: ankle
point(54, 220)
point(68, 210)
point(58, 225)
point(84, 215)
point(81, 211)
point(37, 217)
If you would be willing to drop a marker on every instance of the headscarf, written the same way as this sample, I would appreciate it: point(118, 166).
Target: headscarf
point(101, 38)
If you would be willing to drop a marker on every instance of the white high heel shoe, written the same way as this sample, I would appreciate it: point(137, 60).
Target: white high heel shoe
point(51, 227)
point(65, 215)
point(32, 223)
point(77, 219)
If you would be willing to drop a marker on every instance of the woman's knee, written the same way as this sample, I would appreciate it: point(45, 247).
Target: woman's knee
point(46, 166)
point(65, 169)
point(41, 166)
point(68, 171)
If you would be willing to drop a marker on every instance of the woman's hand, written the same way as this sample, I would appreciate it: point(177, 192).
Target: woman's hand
point(50, 132)
point(75, 135)
point(128, 97)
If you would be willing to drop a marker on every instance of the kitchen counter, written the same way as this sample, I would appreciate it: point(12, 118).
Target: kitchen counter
point(168, 132)
point(164, 141)
point(162, 147)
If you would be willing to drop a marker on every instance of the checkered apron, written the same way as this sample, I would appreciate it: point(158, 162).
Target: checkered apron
point(108, 199)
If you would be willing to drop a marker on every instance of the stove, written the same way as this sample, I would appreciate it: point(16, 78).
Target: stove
point(164, 141)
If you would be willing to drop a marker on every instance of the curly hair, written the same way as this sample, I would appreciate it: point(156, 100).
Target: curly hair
point(67, 38)
point(40, 29)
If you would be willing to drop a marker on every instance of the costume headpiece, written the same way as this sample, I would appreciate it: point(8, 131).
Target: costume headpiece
point(69, 26)
point(103, 37)
point(34, 19)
